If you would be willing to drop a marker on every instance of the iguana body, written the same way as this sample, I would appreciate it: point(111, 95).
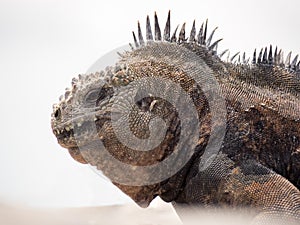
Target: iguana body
point(257, 164)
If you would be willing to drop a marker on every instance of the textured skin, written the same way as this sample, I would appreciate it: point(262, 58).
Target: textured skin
point(258, 163)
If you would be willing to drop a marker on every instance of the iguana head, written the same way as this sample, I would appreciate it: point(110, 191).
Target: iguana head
point(86, 96)
point(103, 110)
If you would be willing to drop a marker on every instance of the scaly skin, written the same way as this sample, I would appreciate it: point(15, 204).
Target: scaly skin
point(257, 164)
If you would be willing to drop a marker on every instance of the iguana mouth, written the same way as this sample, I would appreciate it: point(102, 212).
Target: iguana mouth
point(65, 132)
point(78, 132)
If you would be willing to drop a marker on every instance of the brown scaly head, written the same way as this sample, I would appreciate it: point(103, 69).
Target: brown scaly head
point(127, 120)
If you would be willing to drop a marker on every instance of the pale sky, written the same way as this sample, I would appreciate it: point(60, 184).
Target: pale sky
point(44, 44)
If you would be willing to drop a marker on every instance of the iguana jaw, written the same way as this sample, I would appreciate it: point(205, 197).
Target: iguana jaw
point(79, 130)
point(75, 134)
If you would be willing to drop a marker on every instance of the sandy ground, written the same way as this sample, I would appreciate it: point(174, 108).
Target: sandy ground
point(104, 215)
point(118, 215)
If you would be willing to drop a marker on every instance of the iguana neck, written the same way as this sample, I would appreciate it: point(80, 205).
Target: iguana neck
point(173, 187)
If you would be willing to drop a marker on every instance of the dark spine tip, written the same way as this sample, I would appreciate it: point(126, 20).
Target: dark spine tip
point(259, 60)
point(135, 40)
point(244, 57)
point(205, 32)
point(173, 39)
point(149, 36)
point(156, 28)
point(294, 63)
point(276, 59)
point(254, 57)
point(265, 56)
point(141, 39)
point(233, 57)
point(288, 59)
point(181, 37)
point(167, 28)
point(215, 44)
point(211, 36)
point(223, 53)
point(200, 35)
point(270, 57)
point(193, 33)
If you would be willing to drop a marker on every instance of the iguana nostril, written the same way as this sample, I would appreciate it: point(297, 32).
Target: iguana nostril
point(57, 114)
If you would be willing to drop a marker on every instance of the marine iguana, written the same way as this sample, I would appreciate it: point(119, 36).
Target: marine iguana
point(247, 111)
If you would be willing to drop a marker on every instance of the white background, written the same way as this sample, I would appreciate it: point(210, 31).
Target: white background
point(43, 44)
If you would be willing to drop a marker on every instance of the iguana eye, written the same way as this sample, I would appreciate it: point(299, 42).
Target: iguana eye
point(97, 95)
point(92, 96)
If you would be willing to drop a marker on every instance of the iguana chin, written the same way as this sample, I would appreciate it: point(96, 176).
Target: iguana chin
point(258, 161)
